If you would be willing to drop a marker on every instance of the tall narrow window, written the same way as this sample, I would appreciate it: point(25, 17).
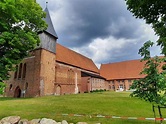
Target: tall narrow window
point(24, 71)
point(20, 70)
point(15, 74)
point(26, 86)
point(10, 87)
point(113, 87)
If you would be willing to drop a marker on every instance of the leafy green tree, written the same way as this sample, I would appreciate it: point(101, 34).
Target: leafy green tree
point(2, 88)
point(20, 22)
point(152, 87)
point(154, 13)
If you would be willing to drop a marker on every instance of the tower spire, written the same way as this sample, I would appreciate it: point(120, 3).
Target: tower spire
point(46, 4)
point(48, 37)
point(50, 28)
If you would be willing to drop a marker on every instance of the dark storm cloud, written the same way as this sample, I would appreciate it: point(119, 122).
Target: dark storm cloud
point(97, 18)
point(103, 30)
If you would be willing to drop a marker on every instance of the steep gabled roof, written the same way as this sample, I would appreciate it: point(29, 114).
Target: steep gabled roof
point(50, 28)
point(122, 70)
point(70, 57)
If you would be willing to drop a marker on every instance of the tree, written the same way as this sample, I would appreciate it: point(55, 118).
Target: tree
point(2, 88)
point(20, 22)
point(154, 13)
point(152, 87)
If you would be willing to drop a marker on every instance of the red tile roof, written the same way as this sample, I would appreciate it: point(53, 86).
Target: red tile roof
point(122, 70)
point(70, 57)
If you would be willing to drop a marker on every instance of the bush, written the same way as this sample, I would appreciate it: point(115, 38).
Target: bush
point(2, 87)
point(96, 91)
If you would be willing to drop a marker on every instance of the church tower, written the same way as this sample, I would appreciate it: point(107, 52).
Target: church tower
point(35, 75)
point(48, 37)
point(45, 59)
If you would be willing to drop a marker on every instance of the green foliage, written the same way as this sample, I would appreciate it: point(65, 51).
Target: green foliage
point(100, 90)
point(2, 88)
point(152, 87)
point(154, 13)
point(20, 22)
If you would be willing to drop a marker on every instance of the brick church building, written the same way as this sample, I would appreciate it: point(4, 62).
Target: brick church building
point(53, 69)
point(120, 75)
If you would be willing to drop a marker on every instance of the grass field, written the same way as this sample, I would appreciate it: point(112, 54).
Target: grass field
point(104, 103)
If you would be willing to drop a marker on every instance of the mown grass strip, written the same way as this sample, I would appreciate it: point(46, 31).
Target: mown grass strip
point(114, 104)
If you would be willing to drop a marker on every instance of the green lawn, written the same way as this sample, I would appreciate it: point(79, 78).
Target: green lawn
point(104, 103)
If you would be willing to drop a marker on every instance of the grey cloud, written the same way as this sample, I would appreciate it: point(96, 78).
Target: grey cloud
point(128, 52)
point(87, 20)
point(93, 19)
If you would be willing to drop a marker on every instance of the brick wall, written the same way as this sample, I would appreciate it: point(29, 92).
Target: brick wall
point(66, 77)
point(116, 84)
point(47, 73)
point(45, 76)
point(24, 79)
point(98, 84)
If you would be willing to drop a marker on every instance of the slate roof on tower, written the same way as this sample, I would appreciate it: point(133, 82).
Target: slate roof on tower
point(50, 28)
point(70, 57)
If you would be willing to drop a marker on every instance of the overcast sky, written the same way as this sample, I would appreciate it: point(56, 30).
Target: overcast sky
point(103, 30)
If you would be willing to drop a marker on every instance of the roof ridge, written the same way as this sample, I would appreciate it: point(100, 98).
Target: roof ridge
point(121, 61)
point(76, 52)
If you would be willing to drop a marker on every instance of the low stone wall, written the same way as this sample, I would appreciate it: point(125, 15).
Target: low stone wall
point(18, 120)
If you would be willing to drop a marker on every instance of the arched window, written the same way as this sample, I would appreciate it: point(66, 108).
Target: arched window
point(26, 86)
point(24, 71)
point(10, 87)
point(20, 70)
point(15, 74)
